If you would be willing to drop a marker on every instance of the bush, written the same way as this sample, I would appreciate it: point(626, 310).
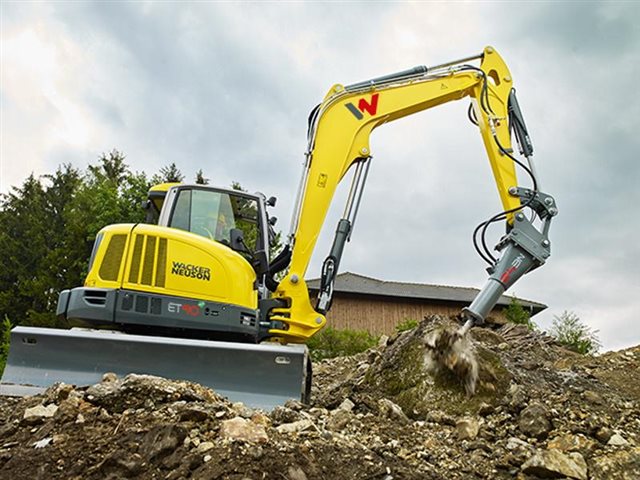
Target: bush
point(515, 313)
point(5, 333)
point(331, 342)
point(408, 324)
point(570, 332)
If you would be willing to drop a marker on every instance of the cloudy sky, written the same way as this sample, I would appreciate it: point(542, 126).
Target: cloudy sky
point(227, 88)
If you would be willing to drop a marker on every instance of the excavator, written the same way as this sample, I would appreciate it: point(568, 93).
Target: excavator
point(197, 296)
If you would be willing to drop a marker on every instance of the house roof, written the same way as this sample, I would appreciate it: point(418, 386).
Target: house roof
point(359, 284)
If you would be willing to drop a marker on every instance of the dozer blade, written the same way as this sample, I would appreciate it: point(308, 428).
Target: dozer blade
point(261, 376)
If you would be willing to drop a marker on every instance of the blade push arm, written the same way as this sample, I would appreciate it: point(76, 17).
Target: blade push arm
point(339, 138)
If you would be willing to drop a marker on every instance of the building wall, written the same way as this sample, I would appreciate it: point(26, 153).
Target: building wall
point(380, 315)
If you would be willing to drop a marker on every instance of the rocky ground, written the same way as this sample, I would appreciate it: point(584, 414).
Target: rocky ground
point(539, 411)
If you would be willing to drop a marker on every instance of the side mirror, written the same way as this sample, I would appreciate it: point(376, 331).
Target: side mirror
point(237, 239)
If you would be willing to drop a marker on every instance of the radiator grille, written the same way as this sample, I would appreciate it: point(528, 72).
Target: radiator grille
point(149, 256)
point(112, 258)
point(161, 267)
point(135, 260)
point(143, 265)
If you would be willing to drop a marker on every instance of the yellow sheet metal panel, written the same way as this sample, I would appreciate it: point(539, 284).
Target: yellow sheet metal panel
point(174, 262)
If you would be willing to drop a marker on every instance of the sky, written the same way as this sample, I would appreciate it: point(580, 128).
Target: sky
point(227, 87)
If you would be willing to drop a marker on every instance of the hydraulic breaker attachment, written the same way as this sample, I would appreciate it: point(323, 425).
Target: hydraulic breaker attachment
point(261, 376)
point(523, 249)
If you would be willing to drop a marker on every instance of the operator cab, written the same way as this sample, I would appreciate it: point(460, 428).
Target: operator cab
point(233, 218)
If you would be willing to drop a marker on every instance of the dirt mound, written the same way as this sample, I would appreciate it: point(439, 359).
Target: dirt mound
point(539, 412)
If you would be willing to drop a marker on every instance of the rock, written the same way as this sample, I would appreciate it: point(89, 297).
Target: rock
point(617, 440)
point(592, 397)
point(603, 434)
point(284, 415)
point(388, 409)
point(109, 377)
point(437, 416)
point(68, 410)
point(485, 409)
point(196, 413)
point(347, 405)
point(256, 452)
point(555, 464)
point(244, 430)
point(514, 443)
point(294, 405)
point(467, 428)
point(571, 443)
point(533, 421)
point(42, 443)
point(260, 418)
point(338, 419)
point(518, 397)
point(162, 440)
point(121, 463)
point(296, 473)
point(204, 446)
point(242, 410)
point(141, 391)
point(60, 438)
point(620, 465)
point(57, 392)
point(39, 413)
point(103, 415)
point(295, 427)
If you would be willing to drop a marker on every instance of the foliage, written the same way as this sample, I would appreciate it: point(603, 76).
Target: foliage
point(200, 178)
point(515, 313)
point(169, 174)
point(331, 342)
point(5, 334)
point(408, 324)
point(569, 331)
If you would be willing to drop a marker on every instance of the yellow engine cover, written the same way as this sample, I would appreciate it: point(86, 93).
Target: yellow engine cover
point(168, 261)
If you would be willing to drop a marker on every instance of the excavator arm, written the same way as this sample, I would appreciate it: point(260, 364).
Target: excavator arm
point(338, 139)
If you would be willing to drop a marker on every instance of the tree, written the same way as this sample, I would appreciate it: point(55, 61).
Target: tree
point(571, 332)
point(200, 178)
point(170, 174)
point(112, 167)
point(5, 335)
point(33, 245)
point(515, 313)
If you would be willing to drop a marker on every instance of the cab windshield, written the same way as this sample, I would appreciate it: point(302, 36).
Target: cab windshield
point(213, 215)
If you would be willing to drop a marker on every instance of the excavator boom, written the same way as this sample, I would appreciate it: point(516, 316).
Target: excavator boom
point(338, 139)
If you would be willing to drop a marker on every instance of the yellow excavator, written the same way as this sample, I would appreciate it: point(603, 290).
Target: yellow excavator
point(196, 297)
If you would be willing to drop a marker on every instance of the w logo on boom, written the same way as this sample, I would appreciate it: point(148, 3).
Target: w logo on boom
point(371, 107)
